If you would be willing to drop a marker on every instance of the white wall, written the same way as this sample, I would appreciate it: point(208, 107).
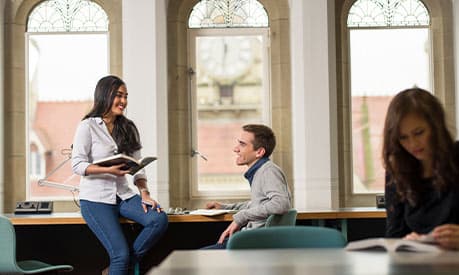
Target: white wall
point(145, 73)
point(314, 106)
point(2, 69)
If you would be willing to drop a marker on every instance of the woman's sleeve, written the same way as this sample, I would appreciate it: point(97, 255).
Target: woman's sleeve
point(81, 149)
point(141, 173)
point(395, 222)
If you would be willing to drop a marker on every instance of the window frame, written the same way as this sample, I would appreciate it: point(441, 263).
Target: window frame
point(16, 13)
point(442, 81)
point(378, 161)
point(29, 135)
point(193, 34)
point(39, 157)
point(178, 109)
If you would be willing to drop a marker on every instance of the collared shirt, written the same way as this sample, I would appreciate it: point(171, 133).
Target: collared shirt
point(92, 141)
point(252, 170)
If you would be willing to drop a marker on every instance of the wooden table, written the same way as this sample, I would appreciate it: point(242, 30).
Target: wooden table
point(342, 215)
point(319, 215)
point(34, 233)
point(76, 218)
point(306, 261)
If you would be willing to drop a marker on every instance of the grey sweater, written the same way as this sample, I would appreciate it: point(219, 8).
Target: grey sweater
point(269, 195)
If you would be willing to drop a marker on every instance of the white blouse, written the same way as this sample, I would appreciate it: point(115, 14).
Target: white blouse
point(92, 142)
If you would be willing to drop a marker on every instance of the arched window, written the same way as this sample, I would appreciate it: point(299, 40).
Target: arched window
point(390, 50)
point(67, 52)
point(228, 45)
point(228, 13)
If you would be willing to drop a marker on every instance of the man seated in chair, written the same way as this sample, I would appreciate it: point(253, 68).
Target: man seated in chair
point(268, 185)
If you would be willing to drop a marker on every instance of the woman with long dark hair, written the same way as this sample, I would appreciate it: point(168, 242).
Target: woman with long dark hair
point(104, 191)
point(422, 167)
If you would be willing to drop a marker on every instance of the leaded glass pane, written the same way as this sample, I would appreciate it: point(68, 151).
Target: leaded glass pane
point(67, 16)
point(384, 13)
point(228, 13)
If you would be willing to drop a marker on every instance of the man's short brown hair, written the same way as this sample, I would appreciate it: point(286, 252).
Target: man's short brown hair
point(264, 137)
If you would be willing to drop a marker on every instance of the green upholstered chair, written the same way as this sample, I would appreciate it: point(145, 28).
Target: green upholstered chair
point(8, 264)
point(287, 237)
point(287, 219)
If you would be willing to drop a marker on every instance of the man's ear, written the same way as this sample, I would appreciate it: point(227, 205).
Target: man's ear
point(260, 152)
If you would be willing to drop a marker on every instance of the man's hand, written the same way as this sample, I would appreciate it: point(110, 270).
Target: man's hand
point(447, 235)
point(233, 227)
point(213, 205)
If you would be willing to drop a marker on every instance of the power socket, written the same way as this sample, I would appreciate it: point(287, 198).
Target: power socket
point(380, 201)
point(34, 207)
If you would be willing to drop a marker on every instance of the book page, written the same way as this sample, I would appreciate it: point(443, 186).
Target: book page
point(211, 212)
point(416, 246)
point(392, 244)
point(130, 163)
point(371, 243)
point(116, 159)
point(146, 160)
point(143, 162)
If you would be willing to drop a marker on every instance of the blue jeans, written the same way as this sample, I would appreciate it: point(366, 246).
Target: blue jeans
point(217, 245)
point(103, 220)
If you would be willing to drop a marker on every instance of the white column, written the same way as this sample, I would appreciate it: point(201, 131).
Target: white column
point(145, 73)
point(2, 111)
point(314, 105)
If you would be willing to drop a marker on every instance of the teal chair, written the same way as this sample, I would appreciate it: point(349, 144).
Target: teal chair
point(287, 219)
point(287, 237)
point(8, 264)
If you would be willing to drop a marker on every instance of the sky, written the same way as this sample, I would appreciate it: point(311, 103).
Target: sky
point(68, 66)
point(381, 68)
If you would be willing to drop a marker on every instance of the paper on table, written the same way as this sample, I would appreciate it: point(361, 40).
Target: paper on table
point(211, 212)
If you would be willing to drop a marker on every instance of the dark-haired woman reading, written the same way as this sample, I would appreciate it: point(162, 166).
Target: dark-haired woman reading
point(422, 166)
point(104, 191)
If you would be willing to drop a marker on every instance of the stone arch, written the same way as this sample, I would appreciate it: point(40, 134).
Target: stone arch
point(16, 14)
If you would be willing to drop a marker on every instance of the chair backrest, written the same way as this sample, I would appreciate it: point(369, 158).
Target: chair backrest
point(7, 247)
point(287, 237)
point(286, 219)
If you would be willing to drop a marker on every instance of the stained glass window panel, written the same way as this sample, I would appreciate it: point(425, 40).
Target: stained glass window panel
point(228, 13)
point(384, 13)
point(67, 16)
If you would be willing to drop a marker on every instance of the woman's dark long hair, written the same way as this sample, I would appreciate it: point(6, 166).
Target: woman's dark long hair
point(125, 132)
point(404, 169)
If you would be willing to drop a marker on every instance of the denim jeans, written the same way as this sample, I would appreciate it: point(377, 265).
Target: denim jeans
point(217, 245)
point(103, 220)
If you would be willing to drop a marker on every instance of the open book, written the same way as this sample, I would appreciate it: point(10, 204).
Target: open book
point(394, 244)
point(212, 212)
point(131, 164)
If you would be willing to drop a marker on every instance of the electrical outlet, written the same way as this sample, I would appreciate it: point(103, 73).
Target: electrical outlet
point(33, 207)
